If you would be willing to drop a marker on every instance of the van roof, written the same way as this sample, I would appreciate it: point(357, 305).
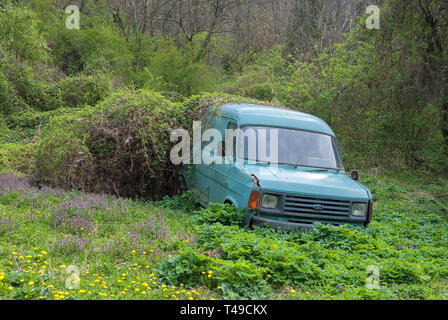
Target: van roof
point(252, 114)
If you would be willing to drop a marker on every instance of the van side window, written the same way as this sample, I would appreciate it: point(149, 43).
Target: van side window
point(232, 125)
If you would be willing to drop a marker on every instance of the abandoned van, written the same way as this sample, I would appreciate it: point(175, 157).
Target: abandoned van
point(292, 181)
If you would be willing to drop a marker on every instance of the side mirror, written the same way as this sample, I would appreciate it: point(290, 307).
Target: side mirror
point(354, 174)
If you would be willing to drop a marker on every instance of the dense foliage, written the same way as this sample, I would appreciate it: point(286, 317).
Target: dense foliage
point(85, 119)
point(382, 91)
point(405, 244)
point(121, 146)
point(124, 249)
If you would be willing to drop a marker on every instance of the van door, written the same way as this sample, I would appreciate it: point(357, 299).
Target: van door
point(222, 172)
point(201, 173)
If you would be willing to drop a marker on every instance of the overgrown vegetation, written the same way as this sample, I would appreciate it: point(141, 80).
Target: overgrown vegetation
point(88, 112)
point(382, 91)
point(121, 146)
point(172, 249)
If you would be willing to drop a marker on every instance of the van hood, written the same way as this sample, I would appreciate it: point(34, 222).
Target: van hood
point(309, 181)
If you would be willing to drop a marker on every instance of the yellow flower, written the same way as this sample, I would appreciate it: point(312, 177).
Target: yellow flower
point(293, 291)
point(30, 283)
point(190, 298)
point(218, 287)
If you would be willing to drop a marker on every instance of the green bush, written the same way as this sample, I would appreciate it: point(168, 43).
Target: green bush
point(17, 158)
point(235, 279)
point(19, 33)
point(10, 101)
point(260, 91)
point(184, 201)
point(264, 79)
point(174, 69)
point(78, 90)
point(70, 161)
point(22, 88)
point(96, 47)
point(120, 146)
point(225, 214)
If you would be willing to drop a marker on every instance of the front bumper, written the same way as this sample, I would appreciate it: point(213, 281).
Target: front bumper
point(277, 224)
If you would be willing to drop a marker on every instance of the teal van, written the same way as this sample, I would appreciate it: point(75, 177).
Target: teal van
point(306, 184)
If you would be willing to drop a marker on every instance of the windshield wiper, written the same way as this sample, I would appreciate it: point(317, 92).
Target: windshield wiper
point(322, 170)
point(264, 162)
point(290, 164)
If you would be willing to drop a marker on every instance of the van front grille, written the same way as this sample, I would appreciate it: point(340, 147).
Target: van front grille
point(309, 207)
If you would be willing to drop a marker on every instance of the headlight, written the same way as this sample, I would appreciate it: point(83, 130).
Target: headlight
point(269, 201)
point(359, 209)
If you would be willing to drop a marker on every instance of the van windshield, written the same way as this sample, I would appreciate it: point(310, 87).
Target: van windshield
point(294, 147)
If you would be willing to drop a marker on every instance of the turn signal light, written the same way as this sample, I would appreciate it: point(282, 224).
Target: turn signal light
point(253, 200)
